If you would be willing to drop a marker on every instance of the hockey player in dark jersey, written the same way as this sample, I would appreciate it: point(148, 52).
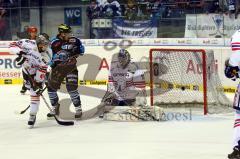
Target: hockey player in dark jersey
point(65, 49)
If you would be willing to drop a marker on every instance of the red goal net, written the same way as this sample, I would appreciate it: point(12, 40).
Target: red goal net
point(186, 77)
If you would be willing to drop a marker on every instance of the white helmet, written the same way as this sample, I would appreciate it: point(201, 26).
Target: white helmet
point(124, 57)
point(42, 42)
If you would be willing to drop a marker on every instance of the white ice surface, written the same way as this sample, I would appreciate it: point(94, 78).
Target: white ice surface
point(204, 137)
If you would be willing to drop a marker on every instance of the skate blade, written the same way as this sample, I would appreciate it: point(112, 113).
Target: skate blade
point(78, 119)
point(31, 126)
point(50, 118)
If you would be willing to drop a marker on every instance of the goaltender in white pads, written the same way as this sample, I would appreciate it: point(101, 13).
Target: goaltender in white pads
point(126, 94)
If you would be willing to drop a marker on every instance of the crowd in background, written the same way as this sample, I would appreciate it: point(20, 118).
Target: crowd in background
point(145, 9)
point(5, 32)
point(12, 22)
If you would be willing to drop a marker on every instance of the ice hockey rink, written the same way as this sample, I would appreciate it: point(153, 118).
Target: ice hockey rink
point(203, 137)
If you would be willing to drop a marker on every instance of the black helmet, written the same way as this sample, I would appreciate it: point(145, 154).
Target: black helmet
point(64, 28)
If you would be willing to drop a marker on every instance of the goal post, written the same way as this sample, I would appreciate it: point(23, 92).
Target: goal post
point(185, 77)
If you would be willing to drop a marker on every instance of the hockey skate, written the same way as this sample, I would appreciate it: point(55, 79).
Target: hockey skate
point(31, 121)
point(235, 154)
point(78, 113)
point(55, 111)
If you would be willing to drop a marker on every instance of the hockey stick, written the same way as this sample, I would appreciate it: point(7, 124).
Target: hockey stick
point(23, 111)
point(88, 114)
point(65, 123)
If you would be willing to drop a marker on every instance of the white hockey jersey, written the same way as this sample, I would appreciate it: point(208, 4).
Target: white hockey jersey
point(235, 46)
point(34, 63)
point(124, 83)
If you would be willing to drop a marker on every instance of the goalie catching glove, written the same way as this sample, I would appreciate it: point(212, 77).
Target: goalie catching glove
point(231, 71)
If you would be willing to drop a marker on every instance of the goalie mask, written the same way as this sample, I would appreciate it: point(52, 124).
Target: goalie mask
point(42, 42)
point(124, 57)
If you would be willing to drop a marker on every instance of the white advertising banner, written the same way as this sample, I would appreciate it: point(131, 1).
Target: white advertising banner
point(210, 26)
point(136, 29)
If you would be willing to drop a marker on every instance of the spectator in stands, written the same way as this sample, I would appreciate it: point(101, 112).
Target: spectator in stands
point(131, 10)
point(24, 33)
point(111, 9)
point(223, 5)
point(213, 7)
point(93, 10)
point(233, 8)
point(156, 8)
point(5, 32)
point(101, 2)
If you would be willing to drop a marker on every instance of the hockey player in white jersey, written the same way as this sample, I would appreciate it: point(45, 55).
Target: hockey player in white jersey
point(126, 82)
point(232, 71)
point(34, 69)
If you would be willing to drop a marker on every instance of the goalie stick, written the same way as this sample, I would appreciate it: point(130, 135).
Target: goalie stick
point(104, 108)
point(65, 123)
point(89, 114)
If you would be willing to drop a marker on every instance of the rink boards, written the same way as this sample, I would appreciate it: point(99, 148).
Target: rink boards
point(94, 65)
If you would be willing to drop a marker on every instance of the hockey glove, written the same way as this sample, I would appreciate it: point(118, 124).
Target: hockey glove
point(20, 59)
point(37, 88)
point(79, 50)
point(231, 72)
point(82, 50)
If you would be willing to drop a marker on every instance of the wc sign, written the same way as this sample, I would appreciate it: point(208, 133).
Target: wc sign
point(73, 16)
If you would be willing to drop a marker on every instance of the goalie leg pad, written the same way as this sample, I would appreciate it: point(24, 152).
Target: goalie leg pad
point(132, 113)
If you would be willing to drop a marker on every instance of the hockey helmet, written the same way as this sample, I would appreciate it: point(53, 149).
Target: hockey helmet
point(124, 57)
point(42, 42)
point(32, 29)
point(64, 28)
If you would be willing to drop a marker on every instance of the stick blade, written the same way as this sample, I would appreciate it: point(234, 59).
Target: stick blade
point(65, 123)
